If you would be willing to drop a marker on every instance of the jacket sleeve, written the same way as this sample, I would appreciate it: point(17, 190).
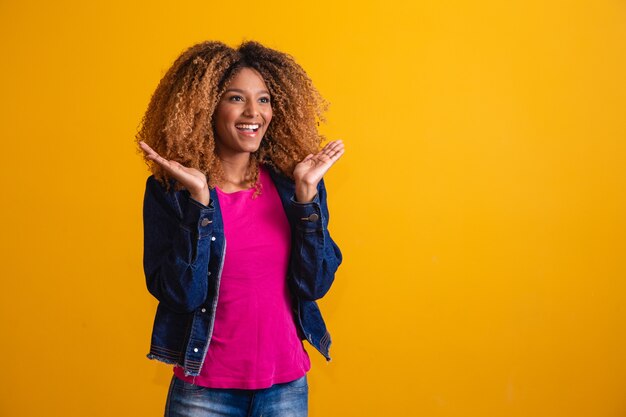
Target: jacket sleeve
point(177, 237)
point(315, 257)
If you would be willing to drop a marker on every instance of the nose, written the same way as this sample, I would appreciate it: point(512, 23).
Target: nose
point(251, 109)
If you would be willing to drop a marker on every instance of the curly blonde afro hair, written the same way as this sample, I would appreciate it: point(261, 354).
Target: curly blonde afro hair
point(178, 122)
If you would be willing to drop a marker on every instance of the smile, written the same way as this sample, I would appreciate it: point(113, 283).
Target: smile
point(247, 127)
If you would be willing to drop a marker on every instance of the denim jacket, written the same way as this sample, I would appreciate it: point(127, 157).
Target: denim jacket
point(184, 248)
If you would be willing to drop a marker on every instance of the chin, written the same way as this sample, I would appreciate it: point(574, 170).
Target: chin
point(249, 149)
point(252, 146)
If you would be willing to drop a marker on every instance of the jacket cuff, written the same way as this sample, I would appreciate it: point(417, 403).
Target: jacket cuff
point(307, 216)
point(199, 218)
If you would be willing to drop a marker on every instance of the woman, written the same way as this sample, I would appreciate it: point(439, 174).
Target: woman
point(236, 246)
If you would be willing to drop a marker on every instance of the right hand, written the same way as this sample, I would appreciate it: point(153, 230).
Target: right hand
point(193, 180)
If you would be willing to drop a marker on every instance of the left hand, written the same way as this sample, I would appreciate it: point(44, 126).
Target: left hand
point(308, 173)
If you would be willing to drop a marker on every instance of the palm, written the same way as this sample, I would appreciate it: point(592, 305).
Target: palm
point(190, 178)
point(312, 168)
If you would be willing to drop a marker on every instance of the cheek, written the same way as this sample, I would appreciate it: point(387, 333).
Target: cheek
point(221, 121)
point(225, 110)
point(220, 126)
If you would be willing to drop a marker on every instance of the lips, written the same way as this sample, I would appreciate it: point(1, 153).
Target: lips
point(247, 127)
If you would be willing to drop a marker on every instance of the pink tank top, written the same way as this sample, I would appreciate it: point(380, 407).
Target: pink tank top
point(255, 343)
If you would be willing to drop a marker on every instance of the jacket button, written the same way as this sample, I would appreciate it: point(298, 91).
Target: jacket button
point(314, 217)
point(195, 350)
point(203, 310)
point(213, 238)
point(205, 222)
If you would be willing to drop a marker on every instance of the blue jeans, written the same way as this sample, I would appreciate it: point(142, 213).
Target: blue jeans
point(279, 400)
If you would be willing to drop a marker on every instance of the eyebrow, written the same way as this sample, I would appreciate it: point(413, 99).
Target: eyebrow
point(243, 92)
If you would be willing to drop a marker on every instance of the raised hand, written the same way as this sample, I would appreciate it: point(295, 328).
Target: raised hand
point(193, 180)
point(308, 173)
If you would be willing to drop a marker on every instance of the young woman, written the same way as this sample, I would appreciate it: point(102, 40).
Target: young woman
point(236, 244)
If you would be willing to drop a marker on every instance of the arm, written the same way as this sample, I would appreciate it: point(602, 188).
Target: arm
point(177, 237)
point(314, 256)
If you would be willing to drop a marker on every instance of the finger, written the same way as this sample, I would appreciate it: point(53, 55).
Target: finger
point(333, 150)
point(143, 145)
point(325, 152)
point(332, 147)
point(155, 157)
point(334, 143)
point(327, 147)
point(164, 163)
point(337, 155)
point(336, 146)
point(147, 149)
point(334, 153)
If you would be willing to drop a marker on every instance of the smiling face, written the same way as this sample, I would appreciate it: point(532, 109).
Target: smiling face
point(242, 116)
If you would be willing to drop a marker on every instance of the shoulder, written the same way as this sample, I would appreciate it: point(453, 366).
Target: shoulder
point(274, 172)
point(280, 180)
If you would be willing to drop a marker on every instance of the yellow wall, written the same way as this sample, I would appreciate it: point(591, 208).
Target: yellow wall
point(480, 204)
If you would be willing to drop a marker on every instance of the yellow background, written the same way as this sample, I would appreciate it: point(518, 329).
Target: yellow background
point(480, 204)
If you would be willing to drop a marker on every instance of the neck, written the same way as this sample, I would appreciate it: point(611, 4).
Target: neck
point(235, 169)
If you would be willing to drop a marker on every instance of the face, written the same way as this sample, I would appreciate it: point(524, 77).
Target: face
point(243, 115)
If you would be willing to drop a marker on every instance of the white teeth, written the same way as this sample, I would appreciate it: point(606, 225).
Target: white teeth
point(246, 126)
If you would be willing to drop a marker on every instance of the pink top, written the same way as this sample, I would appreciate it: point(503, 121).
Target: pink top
point(255, 343)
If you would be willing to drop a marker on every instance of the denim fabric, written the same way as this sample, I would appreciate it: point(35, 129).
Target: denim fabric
point(279, 400)
point(184, 247)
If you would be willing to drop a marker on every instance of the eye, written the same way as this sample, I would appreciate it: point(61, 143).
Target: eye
point(264, 100)
point(235, 98)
